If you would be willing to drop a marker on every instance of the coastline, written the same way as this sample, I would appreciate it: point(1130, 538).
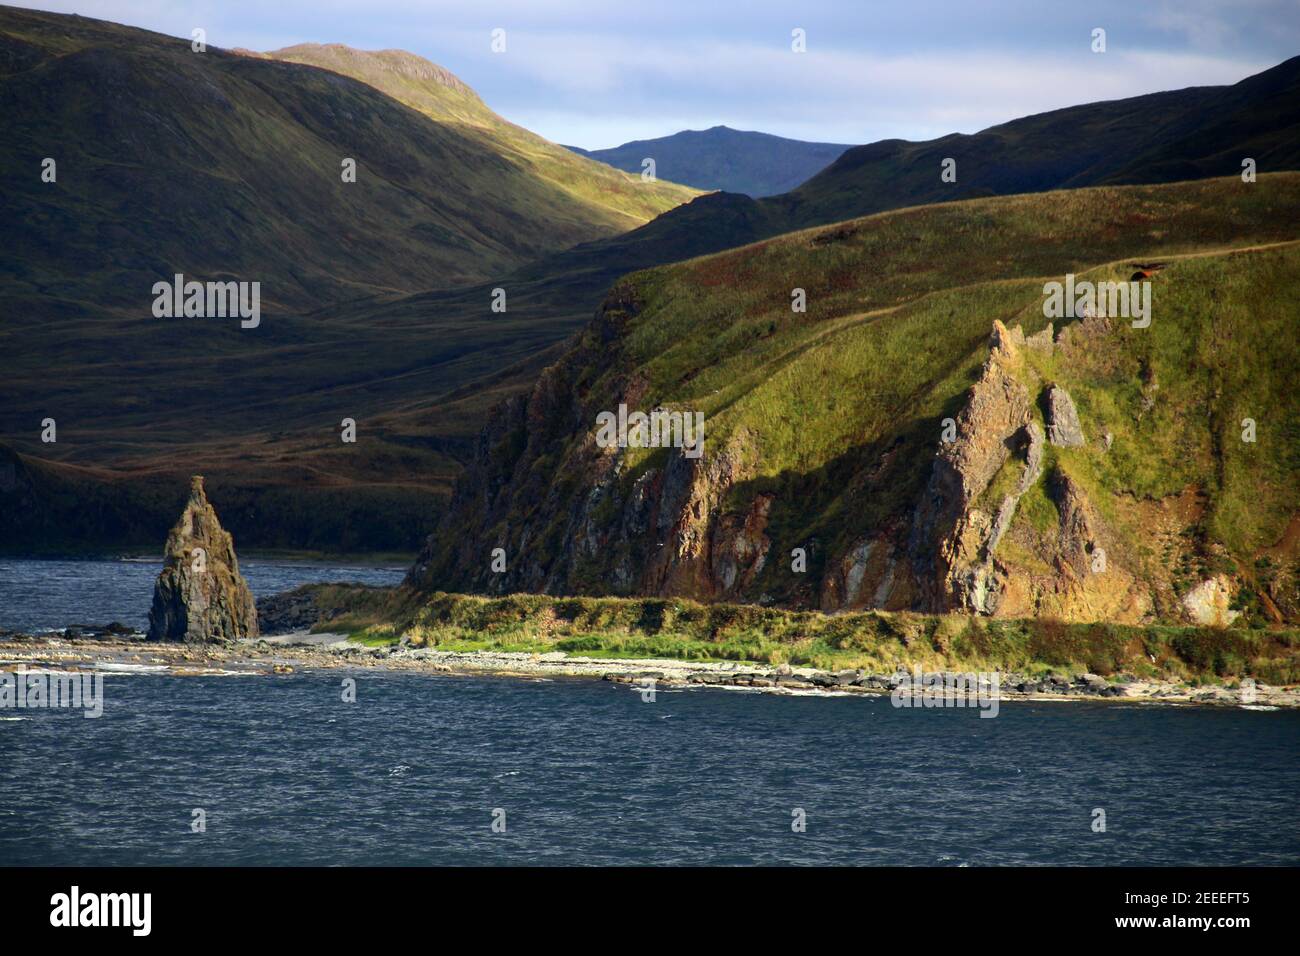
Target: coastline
point(121, 652)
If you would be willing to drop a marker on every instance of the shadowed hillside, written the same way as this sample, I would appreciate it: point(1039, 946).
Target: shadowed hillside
point(616, 201)
point(218, 165)
point(223, 166)
point(1094, 470)
point(1160, 137)
point(1135, 140)
point(377, 295)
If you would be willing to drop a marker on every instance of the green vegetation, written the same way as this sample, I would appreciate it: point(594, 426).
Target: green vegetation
point(836, 411)
point(875, 641)
point(376, 294)
point(226, 166)
point(1156, 138)
point(614, 200)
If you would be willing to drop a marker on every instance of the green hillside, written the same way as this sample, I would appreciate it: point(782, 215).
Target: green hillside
point(217, 164)
point(376, 295)
point(822, 427)
point(1158, 137)
point(1129, 141)
point(613, 199)
point(223, 166)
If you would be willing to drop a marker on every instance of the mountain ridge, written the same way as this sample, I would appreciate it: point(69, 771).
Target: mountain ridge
point(721, 158)
point(365, 333)
point(221, 166)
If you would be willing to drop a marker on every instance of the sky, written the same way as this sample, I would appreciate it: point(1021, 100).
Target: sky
point(597, 73)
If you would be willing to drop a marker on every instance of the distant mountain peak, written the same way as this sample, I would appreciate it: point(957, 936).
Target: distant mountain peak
point(721, 157)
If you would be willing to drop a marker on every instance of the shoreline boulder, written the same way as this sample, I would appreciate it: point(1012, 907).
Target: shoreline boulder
point(200, 596)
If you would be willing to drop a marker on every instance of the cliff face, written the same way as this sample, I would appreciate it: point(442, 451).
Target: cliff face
point(570, 518)
point(953, 453)
point(200, 595)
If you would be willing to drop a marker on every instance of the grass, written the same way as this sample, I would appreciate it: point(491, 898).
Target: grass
point(228, 166)
point(836, 411)
point(614, 200)
point(375, 293)
point(875, 641)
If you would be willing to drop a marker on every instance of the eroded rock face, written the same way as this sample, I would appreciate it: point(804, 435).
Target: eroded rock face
point(200, 595)
point(1209, 602)
point(950, 538)
point(974, 533)
point(1063, 428)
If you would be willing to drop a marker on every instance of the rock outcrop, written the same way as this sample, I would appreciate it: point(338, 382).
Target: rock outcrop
point(1063, 428)
point(951, 538)
point(200, 595)
point(999, 511)
point(1209, 603)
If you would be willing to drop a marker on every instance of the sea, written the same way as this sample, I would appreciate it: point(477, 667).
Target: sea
point(343, 767)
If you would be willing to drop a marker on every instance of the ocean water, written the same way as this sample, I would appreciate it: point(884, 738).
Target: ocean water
point(586, 772)
point(50, 595)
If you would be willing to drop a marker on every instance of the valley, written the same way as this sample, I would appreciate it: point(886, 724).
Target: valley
point(419, 361)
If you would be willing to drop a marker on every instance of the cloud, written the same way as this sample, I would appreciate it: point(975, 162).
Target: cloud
point(594, 73)
point(842, 96)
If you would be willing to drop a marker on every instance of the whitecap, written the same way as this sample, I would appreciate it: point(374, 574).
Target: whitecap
point(121, 667)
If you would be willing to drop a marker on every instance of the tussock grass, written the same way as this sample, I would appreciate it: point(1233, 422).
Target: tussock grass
point(872, 640)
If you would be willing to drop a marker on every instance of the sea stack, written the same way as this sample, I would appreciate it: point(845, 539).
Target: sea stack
point(200, 595)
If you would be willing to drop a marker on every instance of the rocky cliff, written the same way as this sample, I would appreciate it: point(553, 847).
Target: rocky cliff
point(200, 595)
point(955, 452)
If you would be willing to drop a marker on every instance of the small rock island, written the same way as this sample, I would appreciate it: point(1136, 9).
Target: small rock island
point(200, 596)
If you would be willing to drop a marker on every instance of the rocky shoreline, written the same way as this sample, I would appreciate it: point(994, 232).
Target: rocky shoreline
point(118, 646)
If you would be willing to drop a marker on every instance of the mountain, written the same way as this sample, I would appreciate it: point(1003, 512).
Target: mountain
point(733, 160)
point(376, 309)
point(1125, 141)
point(923, 437)
point(1134, 140)
point(1160, 137)
point(620, 202)
point(219, 163)
point(222, 166)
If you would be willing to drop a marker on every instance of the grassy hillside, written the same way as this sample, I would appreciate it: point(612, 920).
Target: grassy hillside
point(227, 167)
point(737, 161)
point(1128, 141)
point(822, 427)
point(615, 200)
point(1159, 137)
point(358, 319)
point(217, 164)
